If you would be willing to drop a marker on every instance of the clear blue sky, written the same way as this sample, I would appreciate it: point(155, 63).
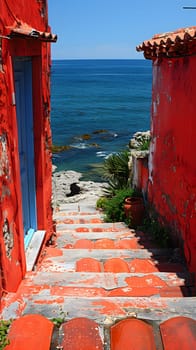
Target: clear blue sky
point(112, 28)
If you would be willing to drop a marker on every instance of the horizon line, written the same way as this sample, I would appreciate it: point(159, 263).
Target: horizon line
point(75, 59)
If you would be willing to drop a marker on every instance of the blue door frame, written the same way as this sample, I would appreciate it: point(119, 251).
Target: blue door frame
point(24, 110)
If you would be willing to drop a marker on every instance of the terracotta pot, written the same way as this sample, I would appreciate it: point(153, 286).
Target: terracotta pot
point(134, 209)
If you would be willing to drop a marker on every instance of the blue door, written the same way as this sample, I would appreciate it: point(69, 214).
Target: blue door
point(24, 110)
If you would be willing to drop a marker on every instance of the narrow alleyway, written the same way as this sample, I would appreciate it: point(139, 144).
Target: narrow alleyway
point(109, 285)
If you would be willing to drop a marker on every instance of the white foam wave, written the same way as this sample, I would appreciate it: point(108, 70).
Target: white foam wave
point(103, 154)
point(80, 145)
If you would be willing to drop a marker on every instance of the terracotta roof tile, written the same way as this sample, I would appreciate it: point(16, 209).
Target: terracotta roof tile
point(132, 334)
point(25, 31)
point(34, 330)
point(84, 333)
point(179, 333)
point(81, 333)
point(170, 44)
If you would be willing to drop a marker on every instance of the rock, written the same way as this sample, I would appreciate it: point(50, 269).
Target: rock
point(54, 167)
point(139, 139)
point(57, 149)
point(62, 181)
point(75, 189)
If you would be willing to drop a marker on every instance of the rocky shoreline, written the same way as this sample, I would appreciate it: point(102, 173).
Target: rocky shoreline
point(83, 191)
point(61, 187)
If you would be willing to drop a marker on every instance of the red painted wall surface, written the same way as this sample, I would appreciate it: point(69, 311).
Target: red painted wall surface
point(12, 13)
point(35, 13)
point(140, 172)
point(172, 186)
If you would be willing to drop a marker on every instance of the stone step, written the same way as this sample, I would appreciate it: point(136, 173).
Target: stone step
point(82, 207)
point(76, 217)
point(104, 272)
point(110, 281)
point(105, 310)
point(72, 237)
point(104, 226)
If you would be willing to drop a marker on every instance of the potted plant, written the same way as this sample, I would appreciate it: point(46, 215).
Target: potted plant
point(122, 203)
point(134, 210)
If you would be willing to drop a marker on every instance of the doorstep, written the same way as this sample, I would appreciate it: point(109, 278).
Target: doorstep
point(33, 249)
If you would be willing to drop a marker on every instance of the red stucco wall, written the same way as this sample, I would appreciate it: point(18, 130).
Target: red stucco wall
point(140, 173)
point(34, 14)
point(172, 185)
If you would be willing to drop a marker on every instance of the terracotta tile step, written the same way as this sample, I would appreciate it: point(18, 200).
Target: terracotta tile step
point(110, 239)
point(66, 259)
point(116, 264)
point(137, 334)
point(63, 238)
point(104, 310)
point(104, 243)
point(129, 333)
point(126, 333)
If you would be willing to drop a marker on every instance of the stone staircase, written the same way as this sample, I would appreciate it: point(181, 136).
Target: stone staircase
point(104, 281)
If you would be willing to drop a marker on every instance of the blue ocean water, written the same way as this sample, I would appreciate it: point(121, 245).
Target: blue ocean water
point(97, 105)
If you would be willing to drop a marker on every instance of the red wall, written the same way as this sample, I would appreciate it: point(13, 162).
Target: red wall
point(172, 186)
point(140, 171)
point(12, 262)
point(33, 13)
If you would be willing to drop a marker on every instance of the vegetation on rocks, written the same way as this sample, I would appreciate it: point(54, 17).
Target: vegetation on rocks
point(115, 170)
point(57, 149)
point(85, 137)
point(100, 131)
point(140, 141)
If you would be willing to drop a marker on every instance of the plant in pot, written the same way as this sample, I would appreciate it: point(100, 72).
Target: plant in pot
point(134, 209)
point(113, 206)
point(122, 203)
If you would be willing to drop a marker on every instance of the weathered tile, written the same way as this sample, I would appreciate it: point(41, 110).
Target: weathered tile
point(88, 265)
point(132, 334)
point(81, 334)
point(116, 265)
point(179, 333)
point(30, 331)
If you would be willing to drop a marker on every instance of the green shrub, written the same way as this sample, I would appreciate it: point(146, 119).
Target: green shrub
point(145, 145)
point(101, 202)
point(115, 170)
point(113, 206)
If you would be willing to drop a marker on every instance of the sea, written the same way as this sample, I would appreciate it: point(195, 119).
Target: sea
point(96, 107)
